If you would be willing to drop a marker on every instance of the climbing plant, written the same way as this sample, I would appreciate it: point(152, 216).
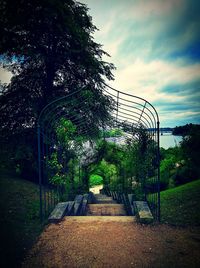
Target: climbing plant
point(126, 167)
point(62, 161)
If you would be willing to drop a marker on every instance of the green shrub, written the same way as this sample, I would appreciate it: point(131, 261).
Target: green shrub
point(95, 180)
point(183, 175)
point(151, 183)
point(139, 193)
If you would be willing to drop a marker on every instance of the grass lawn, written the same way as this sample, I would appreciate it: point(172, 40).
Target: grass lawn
point(19, 221)
point(20, 225)
point(180, 205)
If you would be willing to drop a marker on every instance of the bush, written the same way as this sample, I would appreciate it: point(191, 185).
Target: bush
point(151, 184)
point(183, 175)
point(95, 180)
point(139, 192)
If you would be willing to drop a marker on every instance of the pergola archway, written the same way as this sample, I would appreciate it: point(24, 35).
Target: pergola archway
point(129, 113)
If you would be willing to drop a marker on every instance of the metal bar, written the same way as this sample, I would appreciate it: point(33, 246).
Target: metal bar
point(43, 174)
point(39, 171)
point(117, 105)
point(126, 94)
point(130, 111)
point(158, 163)
point(142, 112)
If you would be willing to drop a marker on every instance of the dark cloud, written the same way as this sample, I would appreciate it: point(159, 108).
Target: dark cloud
point(180, 35)
point(186, 89)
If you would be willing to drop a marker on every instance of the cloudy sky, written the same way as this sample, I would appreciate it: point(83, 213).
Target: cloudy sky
point(155, 46)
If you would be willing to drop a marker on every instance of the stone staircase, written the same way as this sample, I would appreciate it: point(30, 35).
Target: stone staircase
point(105, 206)
point(101, 207)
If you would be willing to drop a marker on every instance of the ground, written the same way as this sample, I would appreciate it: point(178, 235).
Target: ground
point(96, 189)
point(19, 222)
point(113, 241)
point(93, 242)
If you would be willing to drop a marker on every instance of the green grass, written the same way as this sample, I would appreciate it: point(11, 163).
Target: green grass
point(180, 205)
point(20, 225)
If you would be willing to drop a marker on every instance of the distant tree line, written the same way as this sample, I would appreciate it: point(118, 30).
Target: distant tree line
point(186, 129)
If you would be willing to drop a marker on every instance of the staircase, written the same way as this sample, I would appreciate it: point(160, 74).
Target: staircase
point(105, 206)
point(100, 207)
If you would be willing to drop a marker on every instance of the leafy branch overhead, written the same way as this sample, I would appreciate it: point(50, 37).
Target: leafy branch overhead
point(65, 131)
point(49, 48)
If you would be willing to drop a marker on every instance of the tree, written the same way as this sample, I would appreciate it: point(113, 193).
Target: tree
point(191, 152)
point(48, 46)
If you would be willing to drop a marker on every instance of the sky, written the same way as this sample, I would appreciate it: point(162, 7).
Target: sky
point(155, 47)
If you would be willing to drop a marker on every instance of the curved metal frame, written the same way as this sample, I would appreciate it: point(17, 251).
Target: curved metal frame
point(130, 111)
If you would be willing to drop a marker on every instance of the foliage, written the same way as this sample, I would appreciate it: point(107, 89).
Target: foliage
point(62, 162)
point(186, 129)
point(111, 152)
point(142, 159)
point(180, 164)
point(115, 132)
point(49, 48)
point(18, 152)
point(95, 180)
point(183, 174)
point(106, 170)
point(122, 167)
point(191, 151)
point(167, 166)
point(65, 131)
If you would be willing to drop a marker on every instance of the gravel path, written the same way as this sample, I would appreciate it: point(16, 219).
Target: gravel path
point(93, 242)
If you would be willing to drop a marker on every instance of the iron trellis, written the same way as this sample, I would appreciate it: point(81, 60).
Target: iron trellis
point(129, 113)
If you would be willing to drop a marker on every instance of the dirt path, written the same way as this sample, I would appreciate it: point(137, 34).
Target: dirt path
point(93, 242)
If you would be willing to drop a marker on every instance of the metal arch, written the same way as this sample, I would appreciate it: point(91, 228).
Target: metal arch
point(55, 101)
point(155, 133)
point(135, 102)
point(136, 98)
point(140, 112)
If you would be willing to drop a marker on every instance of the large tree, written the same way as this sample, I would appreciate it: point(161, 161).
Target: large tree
point(48, 46)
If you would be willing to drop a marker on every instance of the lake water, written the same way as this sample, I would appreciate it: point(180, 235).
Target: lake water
point(168, 140)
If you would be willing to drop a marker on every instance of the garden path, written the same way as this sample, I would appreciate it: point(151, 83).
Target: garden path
point(113, 241)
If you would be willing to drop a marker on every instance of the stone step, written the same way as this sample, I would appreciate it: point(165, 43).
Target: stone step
point(101, 199)
point(106, 210)
point(58, 213)
point(143, 212)
point(100, 218)
point(102, 196)
point(105, 201)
